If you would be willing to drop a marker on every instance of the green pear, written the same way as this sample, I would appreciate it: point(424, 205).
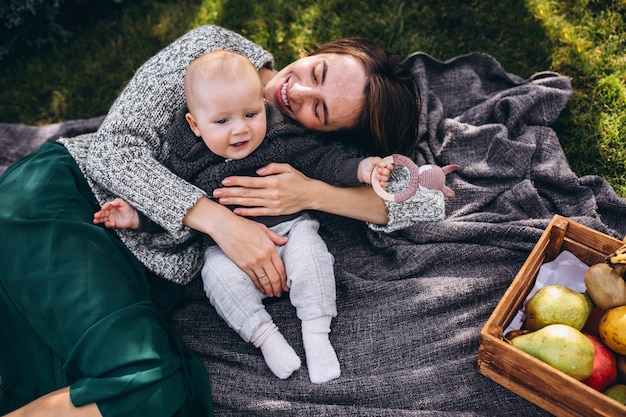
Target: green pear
point(617, 392)
point(560, 346)
point(558, 304)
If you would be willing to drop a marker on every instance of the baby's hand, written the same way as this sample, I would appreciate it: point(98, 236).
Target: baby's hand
point(117, 214)
point(374, 163)
point(383, 170)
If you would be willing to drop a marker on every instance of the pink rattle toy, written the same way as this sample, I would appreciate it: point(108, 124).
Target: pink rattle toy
point(426, 178)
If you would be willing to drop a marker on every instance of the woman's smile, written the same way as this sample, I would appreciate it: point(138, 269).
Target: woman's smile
point(283, 96)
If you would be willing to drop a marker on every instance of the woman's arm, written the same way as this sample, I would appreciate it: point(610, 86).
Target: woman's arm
point(126, 159)
point(127, 154)
point(282, 189)
point(359, 203)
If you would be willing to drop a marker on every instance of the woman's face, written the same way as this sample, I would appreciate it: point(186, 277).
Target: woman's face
point(322, 92)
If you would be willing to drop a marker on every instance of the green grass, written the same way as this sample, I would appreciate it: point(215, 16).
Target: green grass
point(584, 40)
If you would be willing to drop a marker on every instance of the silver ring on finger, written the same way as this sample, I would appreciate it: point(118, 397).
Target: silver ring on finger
point(263, 275)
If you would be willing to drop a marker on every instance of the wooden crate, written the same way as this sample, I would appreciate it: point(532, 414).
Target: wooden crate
point(539, 383)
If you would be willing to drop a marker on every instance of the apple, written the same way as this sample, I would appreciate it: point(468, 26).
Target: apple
point(604, 366)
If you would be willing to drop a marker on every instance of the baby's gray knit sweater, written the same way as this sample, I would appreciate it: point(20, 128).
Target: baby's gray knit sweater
point(285, 141)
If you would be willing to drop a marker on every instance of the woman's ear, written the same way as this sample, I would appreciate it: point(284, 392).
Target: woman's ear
point(192, 124)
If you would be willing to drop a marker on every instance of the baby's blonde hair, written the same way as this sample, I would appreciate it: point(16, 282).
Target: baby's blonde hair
point(217, 66)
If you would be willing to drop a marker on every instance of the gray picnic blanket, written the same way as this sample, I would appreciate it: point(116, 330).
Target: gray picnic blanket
point(411, 303)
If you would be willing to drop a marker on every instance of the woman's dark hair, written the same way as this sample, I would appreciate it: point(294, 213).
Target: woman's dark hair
point(389, 120)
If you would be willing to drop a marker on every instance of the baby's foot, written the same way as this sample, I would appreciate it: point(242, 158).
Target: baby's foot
point(321, 359)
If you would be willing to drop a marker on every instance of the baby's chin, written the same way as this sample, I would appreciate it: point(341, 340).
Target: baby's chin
point(240, 150)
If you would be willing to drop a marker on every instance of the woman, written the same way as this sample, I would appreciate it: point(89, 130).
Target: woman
point(72, 291)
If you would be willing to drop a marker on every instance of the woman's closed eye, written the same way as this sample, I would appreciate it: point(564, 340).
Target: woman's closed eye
point(315, 103)
point(321, 112)
point(319, 73)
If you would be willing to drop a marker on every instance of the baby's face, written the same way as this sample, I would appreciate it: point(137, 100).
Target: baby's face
point(230, 116)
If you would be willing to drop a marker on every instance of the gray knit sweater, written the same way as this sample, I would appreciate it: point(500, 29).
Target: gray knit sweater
point(126, 156)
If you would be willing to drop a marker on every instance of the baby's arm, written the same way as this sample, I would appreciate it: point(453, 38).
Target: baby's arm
point(367, 165)
point(117, 214)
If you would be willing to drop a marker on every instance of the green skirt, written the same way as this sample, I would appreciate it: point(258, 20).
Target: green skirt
point(77, 308)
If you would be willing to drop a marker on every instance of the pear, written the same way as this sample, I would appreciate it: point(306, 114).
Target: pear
point(558, 304)
point(560, 346)
point(617, 392)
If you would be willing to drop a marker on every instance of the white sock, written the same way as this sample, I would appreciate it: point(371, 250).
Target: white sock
point(321, 359)
point(278, 354)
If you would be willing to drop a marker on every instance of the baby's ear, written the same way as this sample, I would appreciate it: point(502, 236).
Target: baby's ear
point(192, 124)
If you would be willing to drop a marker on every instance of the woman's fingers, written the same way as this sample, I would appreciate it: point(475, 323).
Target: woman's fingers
point(275, 168)
point(278, 264)
point(257, 196)
point(268, 282)
point(280, 190)
point(252, 246)
point(272, 279)
point(266, 277)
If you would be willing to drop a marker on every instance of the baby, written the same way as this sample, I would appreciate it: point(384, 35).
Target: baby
point(228, 129)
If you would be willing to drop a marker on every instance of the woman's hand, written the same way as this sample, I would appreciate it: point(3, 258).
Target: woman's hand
point(250, 245)
point(281, 189)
